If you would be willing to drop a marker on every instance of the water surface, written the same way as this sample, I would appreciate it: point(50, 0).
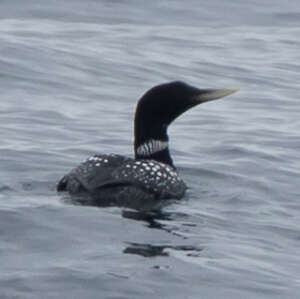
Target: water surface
point(70, 76)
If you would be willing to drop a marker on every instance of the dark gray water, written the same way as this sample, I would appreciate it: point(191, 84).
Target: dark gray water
point(70, 75)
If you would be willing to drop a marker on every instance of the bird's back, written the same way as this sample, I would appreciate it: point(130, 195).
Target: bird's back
point(118, 180)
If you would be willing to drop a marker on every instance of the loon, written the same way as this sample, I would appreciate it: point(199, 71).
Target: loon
point(151, 177)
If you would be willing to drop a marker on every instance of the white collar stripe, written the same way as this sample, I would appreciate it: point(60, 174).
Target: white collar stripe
point(151, 146)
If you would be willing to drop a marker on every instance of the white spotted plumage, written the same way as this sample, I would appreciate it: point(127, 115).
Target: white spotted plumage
point(155, 178)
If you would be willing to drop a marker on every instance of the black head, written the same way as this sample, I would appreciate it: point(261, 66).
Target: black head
point(156, 110)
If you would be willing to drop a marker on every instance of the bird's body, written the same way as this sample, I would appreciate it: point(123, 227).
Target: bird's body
point(121, 181)
point(150, 179)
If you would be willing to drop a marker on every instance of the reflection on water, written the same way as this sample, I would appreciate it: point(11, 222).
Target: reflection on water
point(148, 250)
point(151, 218)
point(154, 221)
point(154, 218)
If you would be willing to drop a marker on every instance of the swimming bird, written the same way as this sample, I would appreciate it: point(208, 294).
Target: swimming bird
point(150, 179)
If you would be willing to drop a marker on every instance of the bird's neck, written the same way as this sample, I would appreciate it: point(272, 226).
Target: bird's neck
point(154, 149)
